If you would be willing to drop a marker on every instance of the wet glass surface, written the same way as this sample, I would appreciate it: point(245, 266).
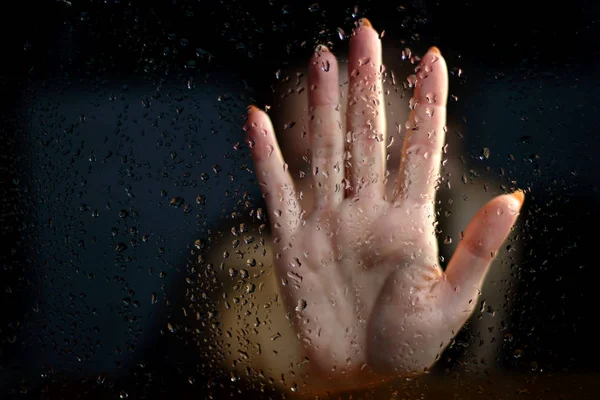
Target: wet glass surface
point(137, 255)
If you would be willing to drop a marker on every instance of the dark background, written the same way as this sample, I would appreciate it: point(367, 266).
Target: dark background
point(108, 103)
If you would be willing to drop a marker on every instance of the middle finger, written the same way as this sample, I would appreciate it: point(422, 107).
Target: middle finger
point(366, 114)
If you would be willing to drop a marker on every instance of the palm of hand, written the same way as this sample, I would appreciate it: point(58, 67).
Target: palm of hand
point(370, 294)
point(360, 273)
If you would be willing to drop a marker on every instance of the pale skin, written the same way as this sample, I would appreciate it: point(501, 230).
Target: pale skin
point(359, 271)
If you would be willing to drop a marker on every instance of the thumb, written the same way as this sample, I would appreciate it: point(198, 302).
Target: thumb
point(483, 237)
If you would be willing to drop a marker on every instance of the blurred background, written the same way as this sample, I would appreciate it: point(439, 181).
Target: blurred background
point(123, 164)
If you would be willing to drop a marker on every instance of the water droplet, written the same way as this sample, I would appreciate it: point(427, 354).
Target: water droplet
point(301, 305)
point(391, 142)
point(176, 202)
point(412, 103)
point(518, 353)
point(296, 277)
point(485, 153)
point(120, 247)
point(295, 263)
point(364, 61)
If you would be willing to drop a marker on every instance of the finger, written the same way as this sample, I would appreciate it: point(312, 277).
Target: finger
point(483, 237)
point(325, 128)
point(366, 114)
point(425, 131)
point(274, 179)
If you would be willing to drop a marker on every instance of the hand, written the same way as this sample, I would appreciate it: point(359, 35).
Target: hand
point(359, 272)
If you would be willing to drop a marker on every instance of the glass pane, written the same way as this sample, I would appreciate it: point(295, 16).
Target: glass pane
point(149, 250)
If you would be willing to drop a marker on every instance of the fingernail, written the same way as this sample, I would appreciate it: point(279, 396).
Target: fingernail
point(434, 49)
point(364, 22)
point(321, 48)
point(519, 195)
point(251, 108)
